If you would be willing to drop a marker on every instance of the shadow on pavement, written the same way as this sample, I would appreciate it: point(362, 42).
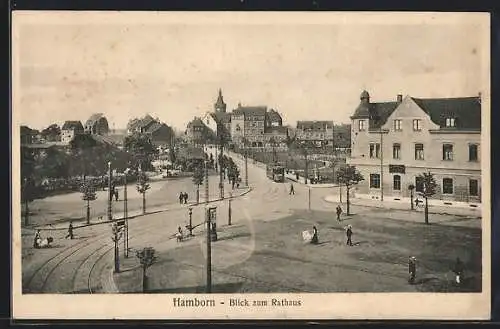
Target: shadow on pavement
point(235, 236)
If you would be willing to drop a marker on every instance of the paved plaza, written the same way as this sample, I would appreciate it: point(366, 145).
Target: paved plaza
point(263, 250)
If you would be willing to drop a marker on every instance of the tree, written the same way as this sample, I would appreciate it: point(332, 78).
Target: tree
point(198, 177)
point(349, 176)
point(429, 189)
point(141, 148)
point(88, 194)
point(83, 148)
point(273, 143)
point(142, 187)
point(147, 258)
point(52, 133)
point(411, 187)
point(54, 164)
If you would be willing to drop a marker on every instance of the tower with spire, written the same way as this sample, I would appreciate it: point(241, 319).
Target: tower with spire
point(220, 106)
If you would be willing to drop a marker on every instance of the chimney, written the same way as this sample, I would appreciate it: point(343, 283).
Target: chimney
point(400, 98)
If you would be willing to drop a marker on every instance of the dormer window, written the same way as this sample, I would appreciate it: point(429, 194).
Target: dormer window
point(450, 122)
point(362, 125)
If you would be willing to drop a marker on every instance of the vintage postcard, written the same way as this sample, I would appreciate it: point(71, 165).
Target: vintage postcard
point(237, 165)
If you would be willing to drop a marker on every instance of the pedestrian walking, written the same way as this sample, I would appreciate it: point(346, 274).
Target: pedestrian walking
point(412, 269)
point(70, 231)
point(349, 235)
point(315, 238)
point(116, 195)
point(458, 269)
point(292, 190)
point(181, 197)
point(185, 198)
point(36, 241)
point(339, 212)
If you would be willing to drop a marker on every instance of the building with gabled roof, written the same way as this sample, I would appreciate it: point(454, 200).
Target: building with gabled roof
point(70, 129)
point(394, 142)
point(97, 124)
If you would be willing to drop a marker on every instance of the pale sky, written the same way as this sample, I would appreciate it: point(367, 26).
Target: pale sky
point(173, 71)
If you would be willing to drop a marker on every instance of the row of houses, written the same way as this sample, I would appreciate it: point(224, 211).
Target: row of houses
point(394, 142)
point(261, 128)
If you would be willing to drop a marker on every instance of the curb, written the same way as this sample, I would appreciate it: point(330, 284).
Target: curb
point(392, 208)
point(140, 215)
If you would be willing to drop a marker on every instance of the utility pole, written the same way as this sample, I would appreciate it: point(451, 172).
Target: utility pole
point(246, 162)
point(209, 251)
point(309, 197)
point(116, 235)
point(334, 152)
point(26, 202)
point(381, 166)
point(221, 167)
point(110, 196)
point(125, 214)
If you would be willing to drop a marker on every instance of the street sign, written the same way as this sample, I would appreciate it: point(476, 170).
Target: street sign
point(120, 222)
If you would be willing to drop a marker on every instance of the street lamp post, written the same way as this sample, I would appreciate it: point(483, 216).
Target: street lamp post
point(110, 196)
point(229, 210)
point(26, 202)
point(381, 166)
point(116, 235)
point(246, 164)
point(209, 251)
point(190, 221)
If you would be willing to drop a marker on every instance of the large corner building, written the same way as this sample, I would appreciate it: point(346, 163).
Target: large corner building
point(393, 142)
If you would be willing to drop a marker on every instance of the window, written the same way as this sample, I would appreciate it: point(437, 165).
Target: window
point(362, 125)
point(417, 124)
point(396, 151)
point(397, 125)
point(472, 152)
point(374, 180)
point(374, 150)
point(447, 186)
point(419, 151)
point(396, 183)
point(419, 184)
point(473, 187)
point(447, 152)
point(450, 122)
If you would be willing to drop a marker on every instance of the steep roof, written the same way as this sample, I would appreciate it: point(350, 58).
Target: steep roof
point(379, 112)
point(147, 120)
point(465, 110)
point(273, 115)
point(72, 125)
point(314, 124)
point(196, 122)
point(93, 118)
point(250, 110)
point(219, 104)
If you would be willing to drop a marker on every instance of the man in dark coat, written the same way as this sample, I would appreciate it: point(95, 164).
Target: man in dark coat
point(181, 197)
point(70, 231)
point(185, 198)
point(315, 238)
point(339, 212)
point(412, 269)
point(349, 235)
point(37, 239)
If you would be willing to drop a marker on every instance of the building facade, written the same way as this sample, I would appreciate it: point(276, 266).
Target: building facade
point(97, 124)
point(70, 129)
point(394, 142)
point(318, 133)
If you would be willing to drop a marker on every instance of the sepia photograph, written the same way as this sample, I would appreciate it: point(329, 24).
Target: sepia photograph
point(250, 165)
